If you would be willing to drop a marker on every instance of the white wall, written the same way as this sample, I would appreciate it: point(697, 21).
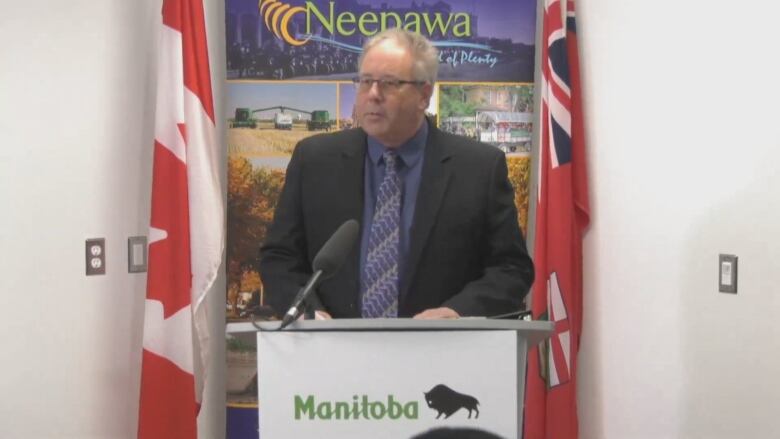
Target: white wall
point(76, 89)
point(682, 114)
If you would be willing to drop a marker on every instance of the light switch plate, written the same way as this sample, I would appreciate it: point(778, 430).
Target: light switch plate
point(727, 273)
point(136, 254)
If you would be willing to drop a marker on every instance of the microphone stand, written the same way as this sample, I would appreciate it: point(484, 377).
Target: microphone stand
point(300, 300)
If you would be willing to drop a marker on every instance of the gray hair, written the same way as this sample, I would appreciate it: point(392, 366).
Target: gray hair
point(424, 54)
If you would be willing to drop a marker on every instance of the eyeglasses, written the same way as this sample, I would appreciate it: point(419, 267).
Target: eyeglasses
point(364, 84)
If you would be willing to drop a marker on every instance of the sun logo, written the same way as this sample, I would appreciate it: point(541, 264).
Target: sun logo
point(277, 16)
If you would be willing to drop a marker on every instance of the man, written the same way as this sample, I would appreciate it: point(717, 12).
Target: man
point(439, 232)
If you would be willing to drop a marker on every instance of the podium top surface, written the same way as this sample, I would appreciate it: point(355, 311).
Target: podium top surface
point(533, 331)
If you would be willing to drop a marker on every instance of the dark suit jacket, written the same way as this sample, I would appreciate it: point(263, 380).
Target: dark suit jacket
point(466, 249)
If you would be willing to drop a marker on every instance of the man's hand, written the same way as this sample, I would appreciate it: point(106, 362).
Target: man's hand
point(438, 313)
point(322, 315)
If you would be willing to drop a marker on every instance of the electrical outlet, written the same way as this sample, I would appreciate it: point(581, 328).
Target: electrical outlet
point(727, 273)
point(96, 256)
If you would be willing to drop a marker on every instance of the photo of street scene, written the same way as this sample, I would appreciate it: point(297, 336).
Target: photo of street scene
point(501, 115)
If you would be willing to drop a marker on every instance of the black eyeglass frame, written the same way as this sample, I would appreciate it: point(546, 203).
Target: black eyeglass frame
point(383, 83)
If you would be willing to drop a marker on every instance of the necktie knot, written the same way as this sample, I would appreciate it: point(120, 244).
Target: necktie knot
point(391, 161)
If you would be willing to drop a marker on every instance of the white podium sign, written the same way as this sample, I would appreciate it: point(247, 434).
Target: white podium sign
point(388, 384)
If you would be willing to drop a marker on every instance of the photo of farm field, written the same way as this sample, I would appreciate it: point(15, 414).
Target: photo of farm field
point(267, 120)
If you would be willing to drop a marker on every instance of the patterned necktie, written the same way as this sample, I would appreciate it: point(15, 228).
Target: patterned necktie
point(380, 280)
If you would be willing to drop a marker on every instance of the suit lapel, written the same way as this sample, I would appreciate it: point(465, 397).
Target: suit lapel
point(351, 158)
point(348, 204)
point(435, 177)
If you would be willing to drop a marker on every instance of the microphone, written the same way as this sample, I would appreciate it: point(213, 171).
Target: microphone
point(326, 263)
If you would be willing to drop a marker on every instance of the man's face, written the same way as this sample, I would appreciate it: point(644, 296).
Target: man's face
point(390, 114)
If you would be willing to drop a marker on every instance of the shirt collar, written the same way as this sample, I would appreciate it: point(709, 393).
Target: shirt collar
point(410, 152)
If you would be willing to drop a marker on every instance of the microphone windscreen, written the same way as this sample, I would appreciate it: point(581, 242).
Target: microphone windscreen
point(332, 255)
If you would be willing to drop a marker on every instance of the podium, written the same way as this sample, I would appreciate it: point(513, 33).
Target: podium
point(392, 378)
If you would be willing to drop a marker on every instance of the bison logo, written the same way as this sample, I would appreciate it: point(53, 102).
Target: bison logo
point(447, 401)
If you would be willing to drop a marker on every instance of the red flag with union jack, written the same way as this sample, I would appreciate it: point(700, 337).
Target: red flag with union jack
point(186, 236)
point(561, 218)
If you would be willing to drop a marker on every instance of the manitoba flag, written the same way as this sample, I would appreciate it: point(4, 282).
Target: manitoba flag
point(186, 236)
point(561, 217)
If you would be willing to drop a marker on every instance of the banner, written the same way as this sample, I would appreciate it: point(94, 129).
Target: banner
point(289, 68)
point(460, 386)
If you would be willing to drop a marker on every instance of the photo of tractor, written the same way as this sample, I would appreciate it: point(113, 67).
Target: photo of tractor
point(320, 120)
point(244, 119)
point(282, 120)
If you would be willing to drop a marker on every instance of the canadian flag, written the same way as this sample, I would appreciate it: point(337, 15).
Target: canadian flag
point(186, 237)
